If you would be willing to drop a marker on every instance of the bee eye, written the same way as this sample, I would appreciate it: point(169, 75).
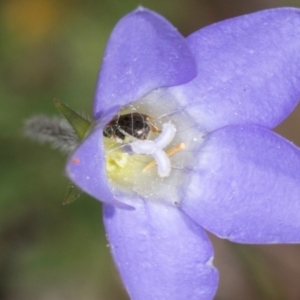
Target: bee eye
point(108, 131)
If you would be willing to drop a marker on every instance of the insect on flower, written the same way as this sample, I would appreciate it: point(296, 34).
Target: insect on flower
point(128, 127)
point(134, 129)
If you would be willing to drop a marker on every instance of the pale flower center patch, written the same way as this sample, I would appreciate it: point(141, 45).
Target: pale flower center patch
point(156, 166)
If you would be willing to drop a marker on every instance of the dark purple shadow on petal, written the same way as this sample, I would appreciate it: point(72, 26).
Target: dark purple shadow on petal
point(246, 186)
point(144, 52)
point(160, 253)
point(248, 70)
point(86, 166)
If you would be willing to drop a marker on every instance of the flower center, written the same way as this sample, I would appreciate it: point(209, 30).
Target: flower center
point(155, 148)
point(137, 143)
point(148, 148)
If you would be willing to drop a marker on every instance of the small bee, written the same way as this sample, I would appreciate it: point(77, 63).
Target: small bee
point(131, 126)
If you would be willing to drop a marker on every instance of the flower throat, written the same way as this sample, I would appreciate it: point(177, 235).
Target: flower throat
point(137, 135)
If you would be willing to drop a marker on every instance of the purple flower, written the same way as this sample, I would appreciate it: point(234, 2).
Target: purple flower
point(217, 93)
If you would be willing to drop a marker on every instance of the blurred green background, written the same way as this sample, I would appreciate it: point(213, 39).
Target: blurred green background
point(52, 49)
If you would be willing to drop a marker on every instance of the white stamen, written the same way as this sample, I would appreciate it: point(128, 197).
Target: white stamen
point(167, 135)
point(144, 147)
point(163, 163)
point(155, 148)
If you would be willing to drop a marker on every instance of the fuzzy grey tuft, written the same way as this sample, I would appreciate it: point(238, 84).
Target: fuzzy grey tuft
point(54, 130)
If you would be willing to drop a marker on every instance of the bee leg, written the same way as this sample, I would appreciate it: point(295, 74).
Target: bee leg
point(155, 129)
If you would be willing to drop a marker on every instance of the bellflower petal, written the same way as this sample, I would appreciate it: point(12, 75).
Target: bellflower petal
point(246, 186)
point(144, 52)
point(160, 253)
point(86, 167)
point(248, 70)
